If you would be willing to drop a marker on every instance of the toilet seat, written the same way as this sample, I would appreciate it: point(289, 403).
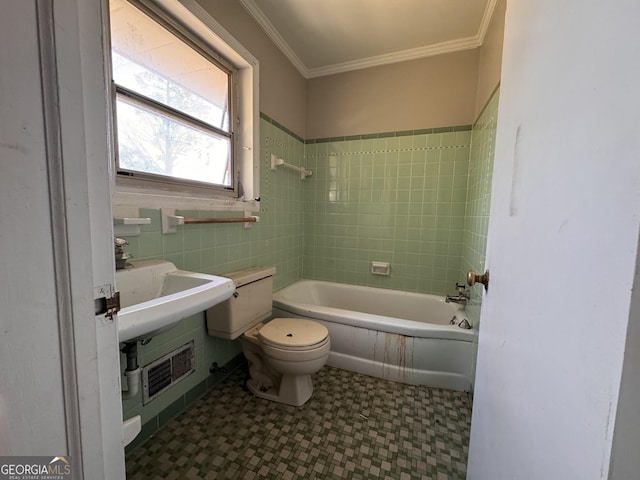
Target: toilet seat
point(294, 334)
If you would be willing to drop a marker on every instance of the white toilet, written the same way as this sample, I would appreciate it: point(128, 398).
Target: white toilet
point(283, 353)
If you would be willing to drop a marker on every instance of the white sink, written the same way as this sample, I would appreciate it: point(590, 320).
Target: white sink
point(155, 295)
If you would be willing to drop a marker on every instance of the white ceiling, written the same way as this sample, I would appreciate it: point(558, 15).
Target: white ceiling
point(322, 37)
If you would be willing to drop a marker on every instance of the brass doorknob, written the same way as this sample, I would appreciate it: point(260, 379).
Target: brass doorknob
point(472, 279)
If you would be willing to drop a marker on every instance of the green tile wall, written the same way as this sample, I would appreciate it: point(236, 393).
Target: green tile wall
point(397, 198)
point(277, 239)
point(483, 141)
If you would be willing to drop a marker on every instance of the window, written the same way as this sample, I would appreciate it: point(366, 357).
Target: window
point(174, 105)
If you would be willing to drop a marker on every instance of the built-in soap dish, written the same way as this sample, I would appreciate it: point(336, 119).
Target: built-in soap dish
point(381, 268)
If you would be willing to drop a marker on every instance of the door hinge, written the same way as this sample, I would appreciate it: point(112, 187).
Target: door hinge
point(113, 305)
point(108, 306)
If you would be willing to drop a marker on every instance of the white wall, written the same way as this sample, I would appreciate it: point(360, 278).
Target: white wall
point(562, 242)
point(429, 92)
point(490, 61)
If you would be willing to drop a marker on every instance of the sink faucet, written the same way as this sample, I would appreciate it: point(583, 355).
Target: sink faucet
point(121, 256)
point(462, 297)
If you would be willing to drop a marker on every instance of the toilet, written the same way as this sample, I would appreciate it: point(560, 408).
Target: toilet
point(282, 353)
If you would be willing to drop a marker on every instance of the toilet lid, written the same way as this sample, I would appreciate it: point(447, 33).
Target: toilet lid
point(293, 333)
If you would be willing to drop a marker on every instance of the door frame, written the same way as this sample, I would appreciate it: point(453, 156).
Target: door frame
point(80, 126)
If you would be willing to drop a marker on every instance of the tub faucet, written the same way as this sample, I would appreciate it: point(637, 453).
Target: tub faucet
point(462, 297)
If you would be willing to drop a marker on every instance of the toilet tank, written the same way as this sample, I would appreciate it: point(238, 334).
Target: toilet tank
point(249, 305)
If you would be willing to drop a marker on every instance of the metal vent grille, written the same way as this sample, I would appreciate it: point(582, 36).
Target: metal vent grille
point(161, 374)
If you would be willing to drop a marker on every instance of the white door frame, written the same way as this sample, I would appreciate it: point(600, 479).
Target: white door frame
point(81, 34)
point(59, 362)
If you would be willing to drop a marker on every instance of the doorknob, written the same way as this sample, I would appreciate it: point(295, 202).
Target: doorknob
point(472, 279)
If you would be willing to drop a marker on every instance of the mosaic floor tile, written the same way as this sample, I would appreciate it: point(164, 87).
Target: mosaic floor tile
point(354, 427)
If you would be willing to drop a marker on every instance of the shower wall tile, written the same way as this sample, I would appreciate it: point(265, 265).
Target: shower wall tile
point(398, 198)
point(483, 140)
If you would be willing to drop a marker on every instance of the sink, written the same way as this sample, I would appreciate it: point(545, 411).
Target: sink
point(155, 296)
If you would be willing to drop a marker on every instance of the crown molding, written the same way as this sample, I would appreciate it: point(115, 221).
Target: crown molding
point(271, 31)
point(396, 57)
point(486, 19)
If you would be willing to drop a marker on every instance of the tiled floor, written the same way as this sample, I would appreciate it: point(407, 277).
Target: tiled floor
point(354, 427)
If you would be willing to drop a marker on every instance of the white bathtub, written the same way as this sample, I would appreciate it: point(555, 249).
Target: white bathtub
point(400, 336)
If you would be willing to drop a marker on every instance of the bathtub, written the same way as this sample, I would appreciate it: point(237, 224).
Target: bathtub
point(399, 336)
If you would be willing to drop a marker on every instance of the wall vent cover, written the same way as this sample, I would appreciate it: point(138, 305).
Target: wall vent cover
point(163, 373)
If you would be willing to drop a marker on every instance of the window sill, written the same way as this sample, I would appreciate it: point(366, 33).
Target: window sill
point(123, 197)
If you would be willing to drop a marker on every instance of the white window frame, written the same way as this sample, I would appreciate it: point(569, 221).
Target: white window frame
point(247, 155)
